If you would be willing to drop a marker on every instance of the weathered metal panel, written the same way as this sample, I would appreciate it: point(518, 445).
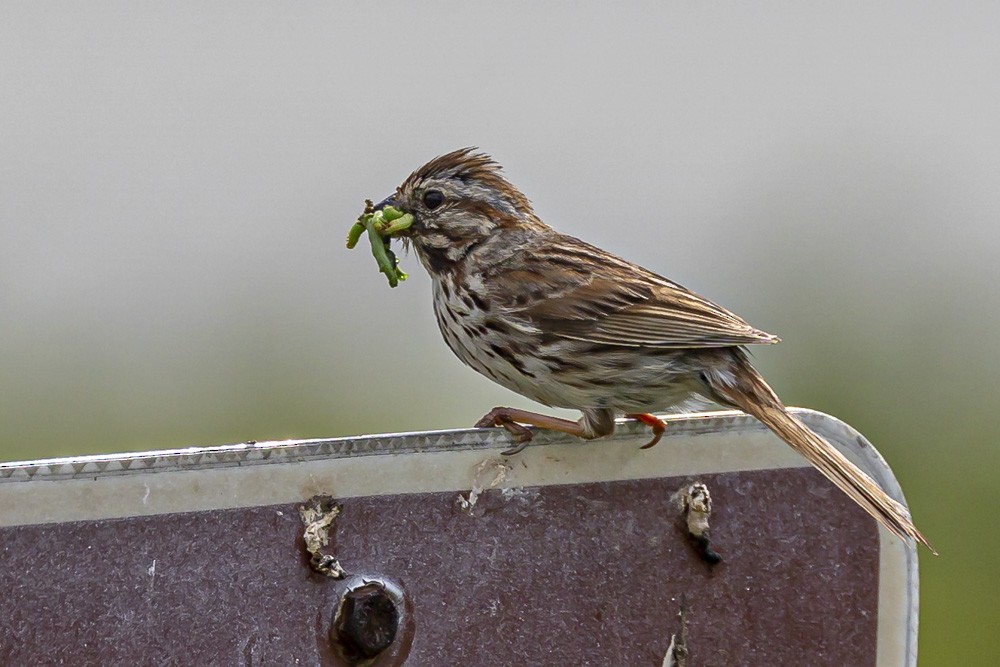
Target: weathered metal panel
point(572, 552)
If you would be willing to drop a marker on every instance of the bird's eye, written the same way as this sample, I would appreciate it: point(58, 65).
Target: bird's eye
point(433, 199)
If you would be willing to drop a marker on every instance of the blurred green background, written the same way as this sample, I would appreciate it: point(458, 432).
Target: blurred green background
point(177, 179)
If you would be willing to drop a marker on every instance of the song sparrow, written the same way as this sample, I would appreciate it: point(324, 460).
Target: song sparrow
point(573, 326)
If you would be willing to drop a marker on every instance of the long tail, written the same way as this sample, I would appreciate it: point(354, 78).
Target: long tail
point(741, 386)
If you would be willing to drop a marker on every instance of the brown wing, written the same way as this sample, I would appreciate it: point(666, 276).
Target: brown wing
point(574, 290)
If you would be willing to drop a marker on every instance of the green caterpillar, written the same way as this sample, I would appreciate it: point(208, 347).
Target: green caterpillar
point(381, 226)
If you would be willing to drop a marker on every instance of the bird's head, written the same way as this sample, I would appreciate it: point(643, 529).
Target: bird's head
point(459, 202)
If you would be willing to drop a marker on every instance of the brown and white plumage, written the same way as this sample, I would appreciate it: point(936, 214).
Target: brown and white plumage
point(571, 325)
point(587, 300)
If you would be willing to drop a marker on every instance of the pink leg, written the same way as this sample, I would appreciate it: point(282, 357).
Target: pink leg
point(512, 420)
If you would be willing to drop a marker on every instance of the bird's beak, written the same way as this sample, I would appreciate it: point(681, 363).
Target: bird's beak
point(392, 201)
point(388, 201)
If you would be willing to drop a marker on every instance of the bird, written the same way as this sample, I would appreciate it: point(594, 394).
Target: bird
point(570, 325)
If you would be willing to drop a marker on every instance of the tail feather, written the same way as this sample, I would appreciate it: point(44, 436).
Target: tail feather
point(742, 387)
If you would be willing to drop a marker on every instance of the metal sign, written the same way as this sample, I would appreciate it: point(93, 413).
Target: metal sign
point(570, 553)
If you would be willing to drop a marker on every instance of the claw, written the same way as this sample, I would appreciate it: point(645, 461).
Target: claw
point(653, 422)
point(518, 448)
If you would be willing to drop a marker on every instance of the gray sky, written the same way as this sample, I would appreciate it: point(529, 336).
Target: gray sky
point(178, 178)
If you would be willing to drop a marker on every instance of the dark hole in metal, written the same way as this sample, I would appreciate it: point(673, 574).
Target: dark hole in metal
point(366, 623)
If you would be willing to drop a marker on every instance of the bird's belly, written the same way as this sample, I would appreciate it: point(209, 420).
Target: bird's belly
point(566, 374)
point(626, 380)
point(492, 349)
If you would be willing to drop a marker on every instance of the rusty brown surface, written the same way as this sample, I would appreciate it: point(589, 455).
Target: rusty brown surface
point(588, 574)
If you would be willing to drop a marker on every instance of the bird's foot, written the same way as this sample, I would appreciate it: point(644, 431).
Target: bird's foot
point(502, 417)
point(654, 422)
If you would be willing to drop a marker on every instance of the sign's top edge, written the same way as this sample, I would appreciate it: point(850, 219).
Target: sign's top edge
point(252, 452)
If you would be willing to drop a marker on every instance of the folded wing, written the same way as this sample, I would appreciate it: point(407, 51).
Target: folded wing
point(573, 290)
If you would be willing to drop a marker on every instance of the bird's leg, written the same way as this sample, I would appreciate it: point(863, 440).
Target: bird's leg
point(652, 421)
point(512, 420)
